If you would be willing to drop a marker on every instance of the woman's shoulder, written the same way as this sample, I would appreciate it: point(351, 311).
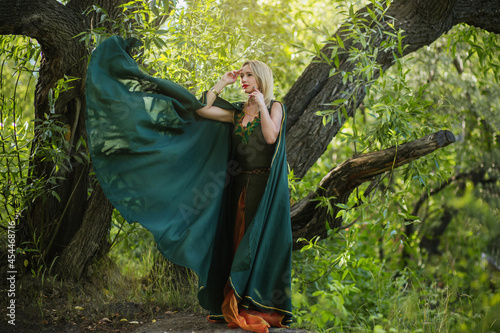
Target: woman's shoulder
point(276, 106)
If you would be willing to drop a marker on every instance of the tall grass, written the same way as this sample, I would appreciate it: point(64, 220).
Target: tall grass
point(366, 294)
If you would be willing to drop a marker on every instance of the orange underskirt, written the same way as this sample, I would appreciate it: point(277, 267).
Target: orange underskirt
point(249, 320)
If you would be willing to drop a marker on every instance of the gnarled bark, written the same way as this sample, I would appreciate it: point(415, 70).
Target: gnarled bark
point(91, 236)
point(483, 14)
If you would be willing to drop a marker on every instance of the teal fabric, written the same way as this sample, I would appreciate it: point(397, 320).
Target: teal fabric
point(163, 166)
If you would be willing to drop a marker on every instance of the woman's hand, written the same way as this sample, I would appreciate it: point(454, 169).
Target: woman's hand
point(231, 77)
point(258, 97)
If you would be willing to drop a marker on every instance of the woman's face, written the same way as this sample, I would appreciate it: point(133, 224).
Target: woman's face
point(247, 80)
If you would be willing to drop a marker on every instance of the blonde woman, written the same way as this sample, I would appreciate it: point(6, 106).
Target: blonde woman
point(254, 135)
point(207, 177)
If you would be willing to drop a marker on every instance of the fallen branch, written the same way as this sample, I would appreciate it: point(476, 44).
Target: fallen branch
point(309, 221)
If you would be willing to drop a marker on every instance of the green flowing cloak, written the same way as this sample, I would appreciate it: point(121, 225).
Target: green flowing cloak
point(168, 169)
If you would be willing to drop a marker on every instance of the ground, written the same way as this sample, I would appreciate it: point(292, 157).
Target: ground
point(75, 308)
point(181, 322)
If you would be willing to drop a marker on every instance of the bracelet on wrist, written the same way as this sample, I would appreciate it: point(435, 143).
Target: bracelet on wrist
point(215, 92)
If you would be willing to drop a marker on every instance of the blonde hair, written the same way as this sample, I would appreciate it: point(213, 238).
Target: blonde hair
point(264, 76)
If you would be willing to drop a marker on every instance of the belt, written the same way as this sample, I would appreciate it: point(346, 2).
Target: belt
point(256, 171)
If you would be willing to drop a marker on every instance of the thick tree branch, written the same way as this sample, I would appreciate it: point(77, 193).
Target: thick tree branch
point(43, 20)
point(309, 221)
point(485, 14)
point(423, 21)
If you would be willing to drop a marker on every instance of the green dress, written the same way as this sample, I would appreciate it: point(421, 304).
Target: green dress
point(253, 155)
point(163, 166)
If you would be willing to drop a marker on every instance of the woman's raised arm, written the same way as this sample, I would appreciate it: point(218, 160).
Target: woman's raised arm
point(213, 112)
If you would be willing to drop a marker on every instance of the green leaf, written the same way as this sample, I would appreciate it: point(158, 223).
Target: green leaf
point(340, 42)
point(338, 101)
point(378, 329)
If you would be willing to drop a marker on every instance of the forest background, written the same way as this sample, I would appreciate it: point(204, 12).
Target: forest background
point(414, 247)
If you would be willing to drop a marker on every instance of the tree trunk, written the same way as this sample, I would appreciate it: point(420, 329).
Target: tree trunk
point(48, 220)
point(432, 238)
point(90, 242)
point(52, 221)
